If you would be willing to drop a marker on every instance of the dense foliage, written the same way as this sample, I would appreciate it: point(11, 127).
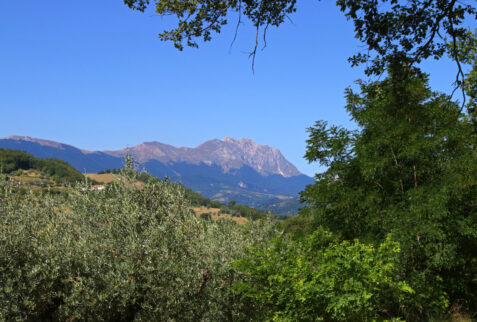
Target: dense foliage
point(59, 170)
point(118, 254)
point(410, 170)
point(321, 278)
point(389, 230)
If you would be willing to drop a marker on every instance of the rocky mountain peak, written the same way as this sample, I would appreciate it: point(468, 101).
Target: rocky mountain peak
point(231, 153)
point(228, 153)
point(224, 170)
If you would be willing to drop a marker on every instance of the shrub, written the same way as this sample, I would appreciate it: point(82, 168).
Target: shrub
point(206, 216)
point(319, 278)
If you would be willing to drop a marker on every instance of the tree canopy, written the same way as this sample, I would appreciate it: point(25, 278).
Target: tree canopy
point(410, 170)
point(410, 31)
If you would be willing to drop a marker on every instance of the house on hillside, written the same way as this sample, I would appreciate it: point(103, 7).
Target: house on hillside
point(94, 188)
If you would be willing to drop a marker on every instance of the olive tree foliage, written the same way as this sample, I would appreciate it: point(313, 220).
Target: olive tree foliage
point(123, 253)
point(410, 169)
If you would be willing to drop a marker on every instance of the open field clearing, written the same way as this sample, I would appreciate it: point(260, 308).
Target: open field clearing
point(104, 177)
point(33, 179)
point(214, 214)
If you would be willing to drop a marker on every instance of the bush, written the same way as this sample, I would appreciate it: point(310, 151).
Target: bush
point(206, 216)
point(319, 278)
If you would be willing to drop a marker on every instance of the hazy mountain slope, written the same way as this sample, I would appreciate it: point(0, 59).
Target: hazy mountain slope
point(83, 161)
point(243, 185)
point(201, 176)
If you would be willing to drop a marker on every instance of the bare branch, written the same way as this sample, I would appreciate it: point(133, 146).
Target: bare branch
point(458, 82)
point(238, 25)
point(265, 37)
point(253, 53)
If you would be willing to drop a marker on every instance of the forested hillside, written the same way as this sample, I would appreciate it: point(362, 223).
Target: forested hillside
point(11, 161)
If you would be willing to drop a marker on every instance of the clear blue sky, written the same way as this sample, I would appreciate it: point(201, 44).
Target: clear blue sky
point(94, 74)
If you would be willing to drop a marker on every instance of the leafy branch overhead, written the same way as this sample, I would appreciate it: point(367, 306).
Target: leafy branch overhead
point(200, 18)
point(410, 31)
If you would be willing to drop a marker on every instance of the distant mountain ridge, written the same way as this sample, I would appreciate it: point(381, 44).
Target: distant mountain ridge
point(228, 153)
point(224, 170)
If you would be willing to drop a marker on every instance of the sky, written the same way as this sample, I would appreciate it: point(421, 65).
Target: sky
point(95, 75)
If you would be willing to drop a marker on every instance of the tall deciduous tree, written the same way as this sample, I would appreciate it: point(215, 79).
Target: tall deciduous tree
point(409, 170)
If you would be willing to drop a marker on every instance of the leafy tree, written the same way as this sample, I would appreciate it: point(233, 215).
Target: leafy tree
point(409, 170)
point(413, 30)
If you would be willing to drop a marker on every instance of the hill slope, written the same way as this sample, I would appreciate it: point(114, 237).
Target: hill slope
point(82, 160)
point(60, 171)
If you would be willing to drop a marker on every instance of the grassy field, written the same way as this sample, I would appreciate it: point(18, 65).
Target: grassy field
point(214, 213)
point(104, 178)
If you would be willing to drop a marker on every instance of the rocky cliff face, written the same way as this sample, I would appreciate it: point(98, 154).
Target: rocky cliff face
point(228, 153)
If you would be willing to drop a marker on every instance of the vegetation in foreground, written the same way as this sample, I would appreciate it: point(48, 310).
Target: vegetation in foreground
point(389, 231)
point(120, 254)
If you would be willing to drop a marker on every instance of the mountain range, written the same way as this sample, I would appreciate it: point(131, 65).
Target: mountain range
point(228, 169)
